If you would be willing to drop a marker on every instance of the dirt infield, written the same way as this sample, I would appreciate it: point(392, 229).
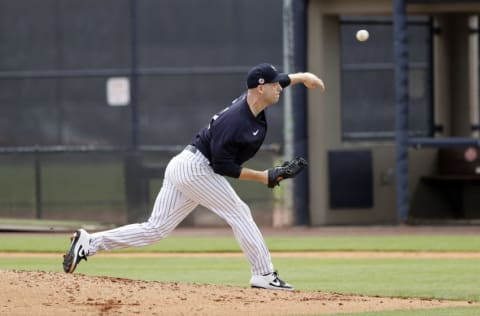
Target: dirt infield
point(53, 293)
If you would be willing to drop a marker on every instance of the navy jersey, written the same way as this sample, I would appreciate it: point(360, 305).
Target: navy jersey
point(233, 136)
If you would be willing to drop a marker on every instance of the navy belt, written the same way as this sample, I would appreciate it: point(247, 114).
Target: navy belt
point(191, 149)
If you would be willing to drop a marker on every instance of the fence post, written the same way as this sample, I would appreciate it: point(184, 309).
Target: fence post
point(38, 185)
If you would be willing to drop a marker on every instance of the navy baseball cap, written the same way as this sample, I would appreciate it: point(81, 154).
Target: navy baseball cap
point(265, 73)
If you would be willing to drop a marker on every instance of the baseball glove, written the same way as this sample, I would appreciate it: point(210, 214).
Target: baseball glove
point(289, 169)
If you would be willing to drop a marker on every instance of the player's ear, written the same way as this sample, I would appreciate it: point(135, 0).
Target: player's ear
point(260, 88)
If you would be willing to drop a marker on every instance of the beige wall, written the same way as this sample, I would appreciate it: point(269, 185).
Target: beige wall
point(456, 65)
point(325, 111)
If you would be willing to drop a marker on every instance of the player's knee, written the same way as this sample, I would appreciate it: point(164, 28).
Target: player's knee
point(243, 211)
point(154, 225)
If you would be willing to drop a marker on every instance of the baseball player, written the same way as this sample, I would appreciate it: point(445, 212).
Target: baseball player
point(197, 176)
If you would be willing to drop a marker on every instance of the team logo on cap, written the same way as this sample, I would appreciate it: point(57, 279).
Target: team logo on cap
point(261, 80)
point(273, 67)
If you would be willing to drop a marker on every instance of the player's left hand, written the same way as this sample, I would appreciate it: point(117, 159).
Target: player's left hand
point(289, 169)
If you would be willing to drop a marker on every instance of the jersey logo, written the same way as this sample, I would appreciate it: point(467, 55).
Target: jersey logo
point(255, 133)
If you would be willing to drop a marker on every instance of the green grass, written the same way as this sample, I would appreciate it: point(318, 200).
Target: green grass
point(50, 224)
point(58, 243)
point(380, 243)
point(452, 311)
point(453, 279)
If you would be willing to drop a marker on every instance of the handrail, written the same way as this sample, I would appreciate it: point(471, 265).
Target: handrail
point(447, 142)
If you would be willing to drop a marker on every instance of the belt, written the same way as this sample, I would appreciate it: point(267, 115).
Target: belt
point(191, 149)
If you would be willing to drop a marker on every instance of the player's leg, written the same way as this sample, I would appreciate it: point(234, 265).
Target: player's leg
point(170, 208)
point(216, 193)
point(200, 183)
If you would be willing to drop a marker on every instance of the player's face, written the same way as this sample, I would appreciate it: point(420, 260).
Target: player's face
point(272, 92)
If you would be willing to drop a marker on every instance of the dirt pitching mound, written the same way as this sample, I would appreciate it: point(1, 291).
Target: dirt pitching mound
point(53, 293)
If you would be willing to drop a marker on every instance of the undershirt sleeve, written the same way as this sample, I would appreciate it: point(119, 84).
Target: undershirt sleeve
point(285, 81)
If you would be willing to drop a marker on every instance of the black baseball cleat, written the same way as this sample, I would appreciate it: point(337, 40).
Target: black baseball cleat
point(78, 250)
point(269, 281)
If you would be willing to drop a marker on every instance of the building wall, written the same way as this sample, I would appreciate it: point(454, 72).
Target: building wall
point(325, 109)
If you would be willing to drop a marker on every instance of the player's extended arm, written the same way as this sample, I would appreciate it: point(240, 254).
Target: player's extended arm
point(310, 80)
point(254, 175)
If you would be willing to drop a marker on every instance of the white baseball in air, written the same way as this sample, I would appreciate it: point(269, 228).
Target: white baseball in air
point(362, 35)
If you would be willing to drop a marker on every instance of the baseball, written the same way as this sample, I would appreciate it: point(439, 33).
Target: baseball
point(362, 35)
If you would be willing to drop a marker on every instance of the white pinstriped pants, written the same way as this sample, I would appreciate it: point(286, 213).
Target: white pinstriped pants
point(189, 181)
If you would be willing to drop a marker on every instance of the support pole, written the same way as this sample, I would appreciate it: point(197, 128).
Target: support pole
point(133, 76)
point(299, 110)
point(38, 186)
point(296, 209)
point(284, 211)
point(132, 159)
point(401, 107)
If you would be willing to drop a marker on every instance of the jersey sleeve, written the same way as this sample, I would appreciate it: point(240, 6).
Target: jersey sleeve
point(285, 80)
